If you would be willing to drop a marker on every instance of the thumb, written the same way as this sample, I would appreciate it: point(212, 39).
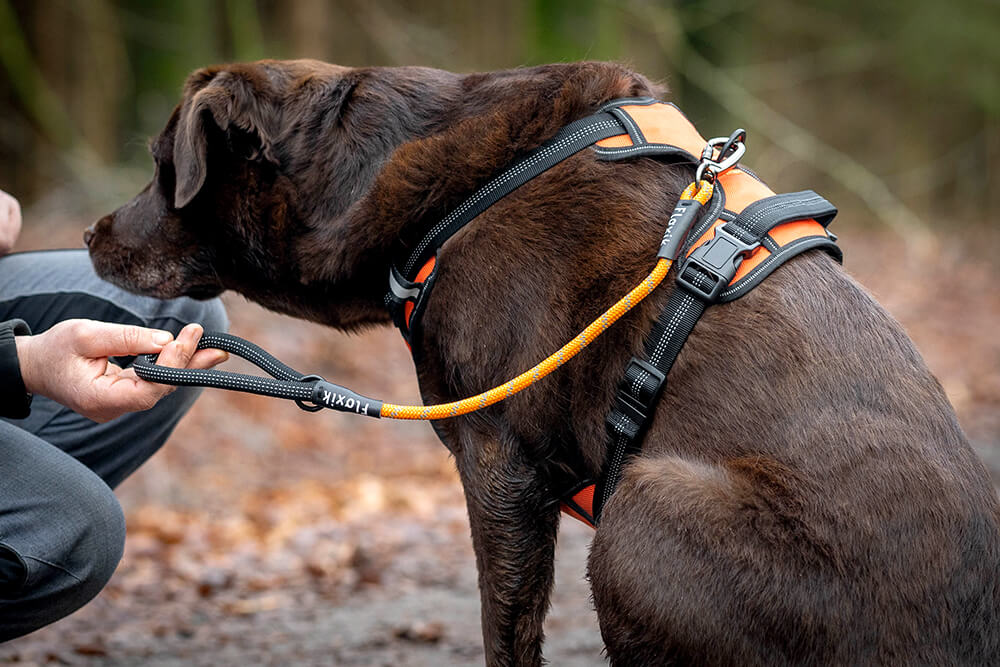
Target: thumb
point(104, 339)
point(178, 353)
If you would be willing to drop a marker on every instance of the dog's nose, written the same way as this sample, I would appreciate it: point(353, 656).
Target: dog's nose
point(88, 234)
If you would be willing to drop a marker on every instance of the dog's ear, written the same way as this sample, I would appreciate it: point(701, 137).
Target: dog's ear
point(234, 103)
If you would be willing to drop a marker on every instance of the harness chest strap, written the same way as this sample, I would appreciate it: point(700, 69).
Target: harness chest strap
point(706, 276)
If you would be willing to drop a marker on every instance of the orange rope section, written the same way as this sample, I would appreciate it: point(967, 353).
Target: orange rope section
point(558, 358)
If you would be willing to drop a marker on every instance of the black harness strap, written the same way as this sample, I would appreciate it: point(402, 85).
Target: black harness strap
point(702, 280)
point(569, 140)
point(608, 122)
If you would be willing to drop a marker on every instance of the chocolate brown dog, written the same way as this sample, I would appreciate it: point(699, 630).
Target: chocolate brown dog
point(805, 495)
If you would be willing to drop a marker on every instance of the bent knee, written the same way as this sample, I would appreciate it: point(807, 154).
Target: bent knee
point(104, 537)
point(63, 562)
point(77, 552)
point(210, 314)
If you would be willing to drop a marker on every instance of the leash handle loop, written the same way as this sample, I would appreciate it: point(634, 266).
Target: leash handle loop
point(255, 354)
point(310, 392)
point(285, 382)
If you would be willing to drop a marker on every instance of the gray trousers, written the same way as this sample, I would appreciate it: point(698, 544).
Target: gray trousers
point(61, 527)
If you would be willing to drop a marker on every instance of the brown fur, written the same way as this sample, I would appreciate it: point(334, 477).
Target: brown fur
point(805, 494)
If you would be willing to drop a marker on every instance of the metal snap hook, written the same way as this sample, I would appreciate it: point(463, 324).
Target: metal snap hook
point(732, 149)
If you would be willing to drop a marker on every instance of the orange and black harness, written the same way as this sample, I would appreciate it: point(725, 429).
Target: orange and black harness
point(729, 230)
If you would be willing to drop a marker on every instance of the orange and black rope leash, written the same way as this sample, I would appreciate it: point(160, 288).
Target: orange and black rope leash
point(561, 356)
point(312, 392)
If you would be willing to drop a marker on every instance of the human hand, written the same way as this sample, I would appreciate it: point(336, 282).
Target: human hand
point(69, 364)
point(10, 222)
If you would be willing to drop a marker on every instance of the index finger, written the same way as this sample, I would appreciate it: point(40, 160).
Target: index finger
point(105, 339)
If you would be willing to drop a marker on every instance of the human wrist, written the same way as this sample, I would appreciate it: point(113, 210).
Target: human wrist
point(25, 346)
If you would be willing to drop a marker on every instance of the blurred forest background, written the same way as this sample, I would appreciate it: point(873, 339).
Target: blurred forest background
point(262, 535)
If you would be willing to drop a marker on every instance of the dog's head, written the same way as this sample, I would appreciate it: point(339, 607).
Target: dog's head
point(267, 175)
point(251, 155)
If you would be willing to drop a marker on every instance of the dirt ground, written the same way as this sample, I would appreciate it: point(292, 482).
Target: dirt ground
point(265, 535)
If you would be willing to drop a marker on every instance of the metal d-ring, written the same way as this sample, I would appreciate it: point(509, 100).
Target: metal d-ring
point(300, 402)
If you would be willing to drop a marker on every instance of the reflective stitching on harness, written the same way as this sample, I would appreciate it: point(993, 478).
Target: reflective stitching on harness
point(778, 206)
point(619, 456)
point(671, 327)
point(639, 380)
point(633, 129)
point(647, 147)
point(778, 256)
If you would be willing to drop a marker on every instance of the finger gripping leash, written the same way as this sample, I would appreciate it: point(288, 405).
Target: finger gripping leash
point(312, 392)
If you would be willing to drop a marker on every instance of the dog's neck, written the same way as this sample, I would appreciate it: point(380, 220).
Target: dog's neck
point(468, 129)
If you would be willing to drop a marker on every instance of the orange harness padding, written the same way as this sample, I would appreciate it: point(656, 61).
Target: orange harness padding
point(662, 123)
point(422, 275)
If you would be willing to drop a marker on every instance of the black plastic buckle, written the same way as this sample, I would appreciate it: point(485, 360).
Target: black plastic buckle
point(717, 260)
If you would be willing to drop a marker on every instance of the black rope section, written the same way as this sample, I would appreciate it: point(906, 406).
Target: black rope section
point(310, 392)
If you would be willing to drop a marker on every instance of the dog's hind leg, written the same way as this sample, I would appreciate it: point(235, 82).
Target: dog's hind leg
point(513, 532)
point(697, 563)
